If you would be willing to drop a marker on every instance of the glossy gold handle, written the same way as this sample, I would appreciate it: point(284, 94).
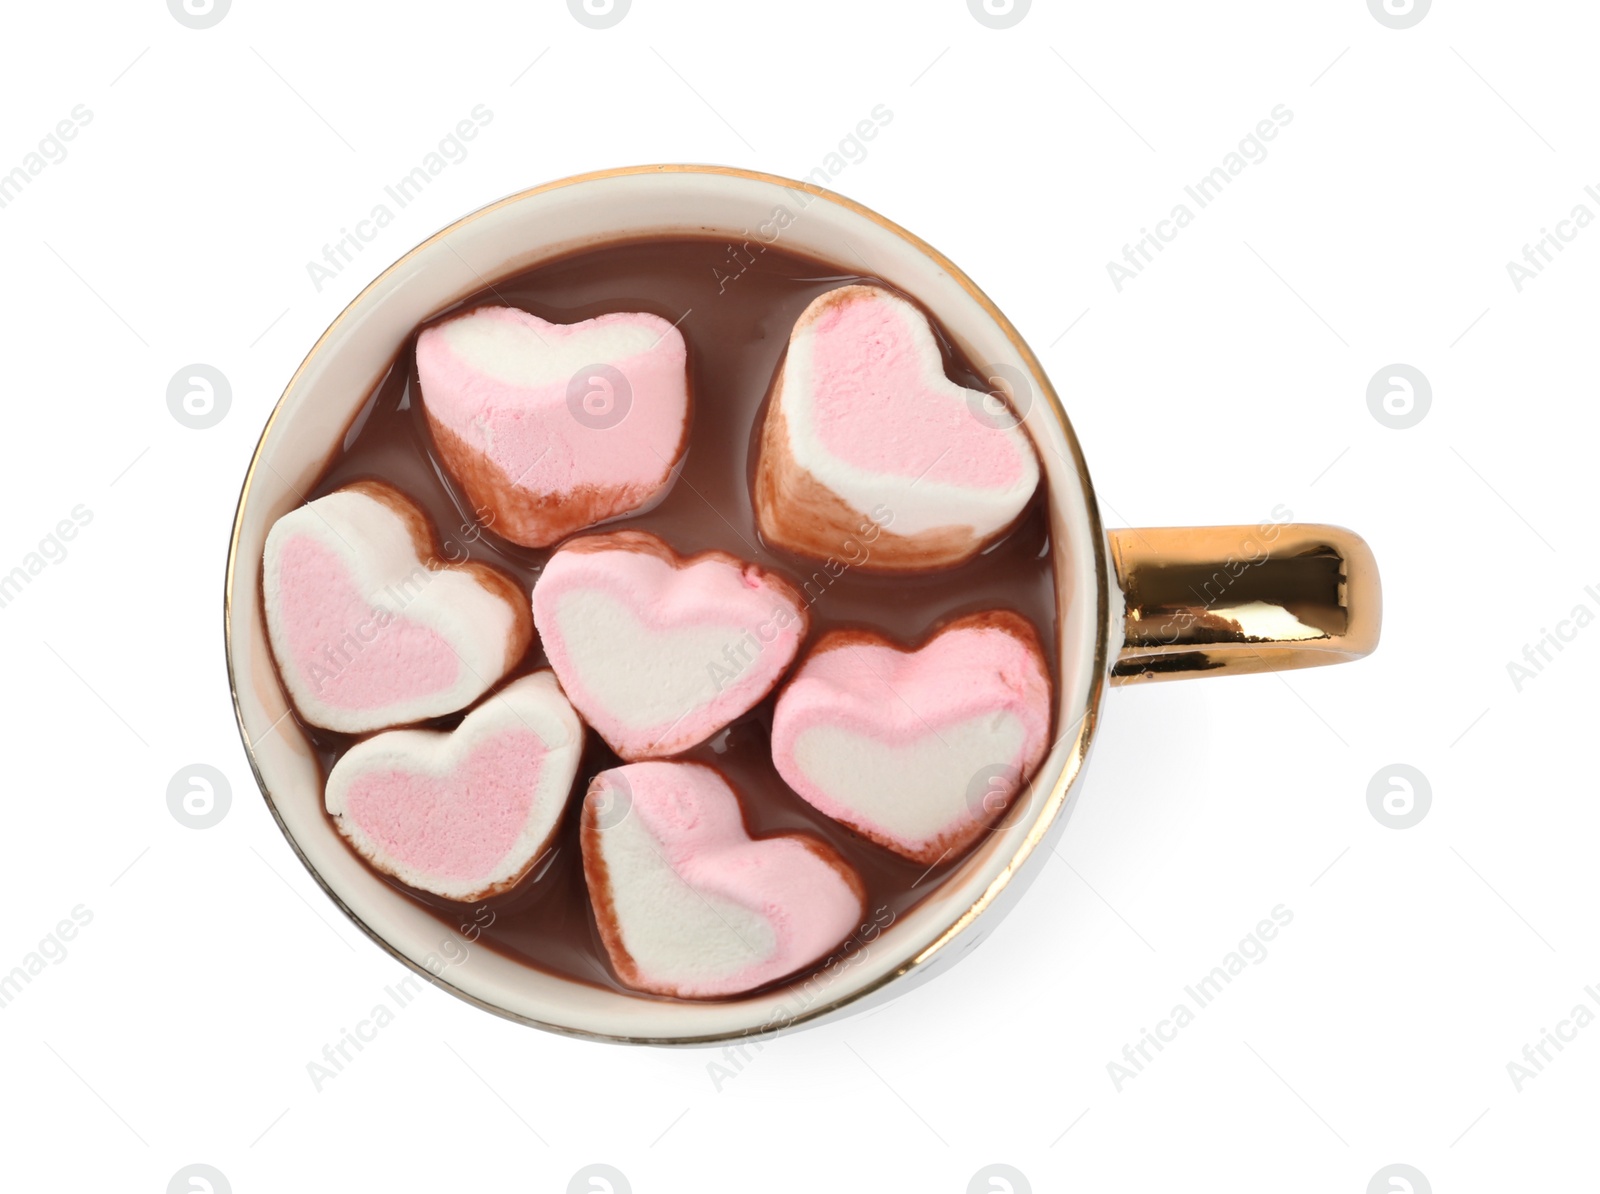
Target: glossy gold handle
point(1211, 600)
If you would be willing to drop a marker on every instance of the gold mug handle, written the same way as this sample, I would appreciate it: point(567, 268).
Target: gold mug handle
point(1202, 601)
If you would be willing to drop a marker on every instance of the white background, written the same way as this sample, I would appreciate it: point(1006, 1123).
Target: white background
point(1227, 378)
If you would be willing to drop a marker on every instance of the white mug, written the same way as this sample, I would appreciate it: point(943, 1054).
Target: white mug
point(1135, 605)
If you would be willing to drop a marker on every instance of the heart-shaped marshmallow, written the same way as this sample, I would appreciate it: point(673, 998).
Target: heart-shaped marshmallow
point(659, 652)
point(552, 427)
point(687, 903)
point(464, 814)
point(917, 750)
point(368, 627)
point(865, 434)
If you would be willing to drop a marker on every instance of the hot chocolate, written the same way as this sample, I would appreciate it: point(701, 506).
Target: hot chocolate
point(735, 332)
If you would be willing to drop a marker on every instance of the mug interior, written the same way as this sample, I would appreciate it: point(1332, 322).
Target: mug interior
point(515, 235)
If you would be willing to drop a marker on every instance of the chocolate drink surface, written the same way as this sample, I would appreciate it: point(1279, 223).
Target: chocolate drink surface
point(735, 309)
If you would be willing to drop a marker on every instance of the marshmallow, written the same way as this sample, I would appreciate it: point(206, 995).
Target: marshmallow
point(465, 814)
point(368, 627)
point(687, 903)
point(660, 652)
point(917, 750)
point(864, 429)
point(552, 427)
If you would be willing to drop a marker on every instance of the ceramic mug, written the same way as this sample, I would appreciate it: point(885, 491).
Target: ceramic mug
point(1132, 605)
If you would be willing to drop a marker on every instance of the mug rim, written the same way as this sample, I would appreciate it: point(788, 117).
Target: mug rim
point(1072, 763)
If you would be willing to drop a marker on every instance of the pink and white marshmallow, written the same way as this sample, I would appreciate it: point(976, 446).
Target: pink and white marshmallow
point(659, 652)
point(464, 814)
point(920, 750)
point(863, 429)
point(549, 427)
point(368, 628)
point(687, 903)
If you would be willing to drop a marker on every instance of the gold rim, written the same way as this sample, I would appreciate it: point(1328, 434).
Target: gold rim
point(1071, 767)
